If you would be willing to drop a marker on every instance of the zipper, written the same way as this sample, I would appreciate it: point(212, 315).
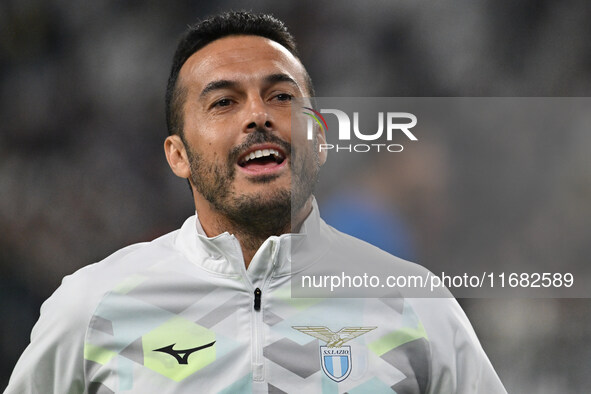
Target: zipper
point(257, 299)
point(258, 373)
point(258, 366)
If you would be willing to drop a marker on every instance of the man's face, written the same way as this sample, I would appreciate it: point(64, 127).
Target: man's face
point(244, 159)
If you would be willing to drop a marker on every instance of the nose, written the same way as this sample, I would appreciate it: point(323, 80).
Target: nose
point(258, 117)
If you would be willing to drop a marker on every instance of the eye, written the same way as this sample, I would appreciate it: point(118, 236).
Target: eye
point(225, 102)
point(284, 97)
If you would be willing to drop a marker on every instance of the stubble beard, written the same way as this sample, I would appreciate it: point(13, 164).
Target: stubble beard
point(260, 215)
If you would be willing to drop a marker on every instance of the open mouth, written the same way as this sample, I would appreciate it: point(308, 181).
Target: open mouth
point(262, 160)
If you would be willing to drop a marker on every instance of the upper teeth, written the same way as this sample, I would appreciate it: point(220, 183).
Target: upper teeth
point(261, 153)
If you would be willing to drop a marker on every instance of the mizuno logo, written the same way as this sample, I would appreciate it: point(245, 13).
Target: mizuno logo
point(182, 356)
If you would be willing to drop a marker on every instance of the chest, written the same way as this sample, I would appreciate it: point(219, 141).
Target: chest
point(176, 336)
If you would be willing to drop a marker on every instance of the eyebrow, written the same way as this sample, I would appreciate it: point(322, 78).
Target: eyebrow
point(226, 84)
point(274, 78)
point(217, 85)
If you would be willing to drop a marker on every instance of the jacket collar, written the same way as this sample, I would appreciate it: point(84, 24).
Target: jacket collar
point(222, 254)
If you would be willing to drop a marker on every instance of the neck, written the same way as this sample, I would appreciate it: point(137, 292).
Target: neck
point(253, 234)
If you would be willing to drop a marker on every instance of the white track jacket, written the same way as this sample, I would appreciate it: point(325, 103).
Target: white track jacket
point(182, 314)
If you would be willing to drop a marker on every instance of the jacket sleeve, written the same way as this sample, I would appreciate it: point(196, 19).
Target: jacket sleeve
point(54, 360)
point(459, 364)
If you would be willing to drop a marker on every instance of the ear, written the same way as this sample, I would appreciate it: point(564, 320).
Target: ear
point(321, 139)
point(176, 155)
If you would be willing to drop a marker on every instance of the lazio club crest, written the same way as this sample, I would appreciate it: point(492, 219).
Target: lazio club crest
point(334, 357)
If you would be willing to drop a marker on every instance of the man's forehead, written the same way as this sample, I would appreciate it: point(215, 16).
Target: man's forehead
point(240, 56)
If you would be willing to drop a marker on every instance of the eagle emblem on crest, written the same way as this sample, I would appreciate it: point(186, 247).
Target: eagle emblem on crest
point(334, 339)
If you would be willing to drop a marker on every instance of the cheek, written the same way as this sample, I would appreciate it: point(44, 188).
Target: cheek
point(210, 137)
point(289, 128)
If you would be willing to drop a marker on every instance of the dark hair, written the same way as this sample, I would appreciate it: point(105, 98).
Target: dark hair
point(214, 28)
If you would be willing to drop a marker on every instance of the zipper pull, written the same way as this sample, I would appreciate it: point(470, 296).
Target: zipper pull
point(257, 299)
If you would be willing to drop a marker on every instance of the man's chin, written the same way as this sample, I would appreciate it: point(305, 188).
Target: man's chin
point(266, 197)
point(264, 179)
point(263, 213)
point(263, 187)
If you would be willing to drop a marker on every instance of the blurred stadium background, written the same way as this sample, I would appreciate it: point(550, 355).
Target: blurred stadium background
point(82, 172)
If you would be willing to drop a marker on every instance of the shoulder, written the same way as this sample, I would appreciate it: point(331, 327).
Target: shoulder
point(124, 261)
point(394, 276)
point(79, 293)
point(65, 315)
point(436, 308)
point(55, 355)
